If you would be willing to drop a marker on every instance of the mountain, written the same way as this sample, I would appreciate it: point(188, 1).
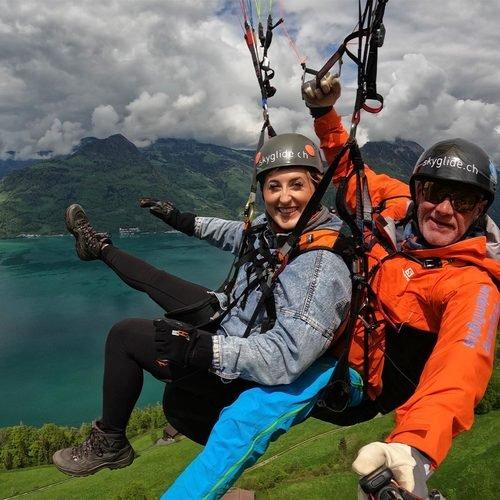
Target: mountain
point(108, 176)
point(394, 158)
point(115, 148)
point(10, 165)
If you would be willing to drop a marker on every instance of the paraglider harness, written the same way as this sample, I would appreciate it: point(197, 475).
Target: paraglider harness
point(267, 265)
point(370, 35)
point(262, 273)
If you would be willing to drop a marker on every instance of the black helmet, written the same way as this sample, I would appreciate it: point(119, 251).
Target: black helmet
point(288, 150)
point(460, 161)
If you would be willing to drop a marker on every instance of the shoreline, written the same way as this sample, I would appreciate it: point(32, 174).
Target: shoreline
point(123, 234)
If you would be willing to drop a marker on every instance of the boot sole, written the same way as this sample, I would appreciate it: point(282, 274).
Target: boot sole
point(70, 209)
point(123, 462)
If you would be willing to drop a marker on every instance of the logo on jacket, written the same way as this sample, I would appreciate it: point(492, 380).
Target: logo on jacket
point(475, 326)
point(408, 273)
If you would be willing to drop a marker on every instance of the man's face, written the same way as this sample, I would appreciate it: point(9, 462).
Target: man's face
point(446, 210)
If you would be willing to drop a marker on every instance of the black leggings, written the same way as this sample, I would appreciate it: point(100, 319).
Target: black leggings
point(193, 399)
point(167, 290)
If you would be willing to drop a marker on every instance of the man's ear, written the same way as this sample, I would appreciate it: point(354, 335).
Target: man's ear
point(418, 190)
point(481, 208)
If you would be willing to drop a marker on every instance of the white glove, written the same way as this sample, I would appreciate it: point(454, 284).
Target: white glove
point(409, 466)
point(325, 95)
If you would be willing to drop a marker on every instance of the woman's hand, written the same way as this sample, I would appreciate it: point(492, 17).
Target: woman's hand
point(182, 344)
point(168, 212)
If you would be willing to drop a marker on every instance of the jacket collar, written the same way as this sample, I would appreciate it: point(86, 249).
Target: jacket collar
point(323, 217)
point(482, 250)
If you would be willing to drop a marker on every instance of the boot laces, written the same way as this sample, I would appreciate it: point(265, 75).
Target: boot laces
point(92, 445)
point(87, 230)
point(92, 238)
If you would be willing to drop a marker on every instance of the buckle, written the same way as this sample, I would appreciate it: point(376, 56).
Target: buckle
point(432, 262)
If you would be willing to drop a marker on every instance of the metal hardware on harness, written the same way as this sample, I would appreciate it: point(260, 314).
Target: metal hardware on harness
point(432, 263)
point(379, 35)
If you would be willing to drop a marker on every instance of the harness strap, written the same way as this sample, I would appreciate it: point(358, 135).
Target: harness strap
point(228, 284)
point(316, 239)
point(376, 41)
point(363, 199)
point(336, 395)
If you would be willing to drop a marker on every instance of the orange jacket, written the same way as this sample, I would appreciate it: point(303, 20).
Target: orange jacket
point(445, 319)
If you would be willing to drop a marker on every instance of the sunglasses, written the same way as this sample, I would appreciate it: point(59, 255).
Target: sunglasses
point(462, 198)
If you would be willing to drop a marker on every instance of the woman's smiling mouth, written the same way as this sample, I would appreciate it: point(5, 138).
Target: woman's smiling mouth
point(287, 210)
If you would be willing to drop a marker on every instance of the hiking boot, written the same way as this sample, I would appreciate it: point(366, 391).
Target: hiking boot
point(88, 241)
point(99, 451)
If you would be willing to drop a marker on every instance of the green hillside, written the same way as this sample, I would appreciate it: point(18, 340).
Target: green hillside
point(312, 461)
point(109, 176)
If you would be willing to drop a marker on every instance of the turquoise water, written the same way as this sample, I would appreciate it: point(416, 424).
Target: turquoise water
point(55, 312)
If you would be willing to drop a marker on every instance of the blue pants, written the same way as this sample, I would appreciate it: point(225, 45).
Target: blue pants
point(247, 427)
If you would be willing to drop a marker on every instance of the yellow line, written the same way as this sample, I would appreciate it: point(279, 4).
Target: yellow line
point(297, 445)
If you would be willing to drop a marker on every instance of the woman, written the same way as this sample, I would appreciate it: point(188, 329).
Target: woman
point(258, 339)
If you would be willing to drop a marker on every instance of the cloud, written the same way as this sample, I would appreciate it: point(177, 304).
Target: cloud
point(105, 121)
point(60, 137)
point(420, 105)
point(148, 115)
point(180, 68)
point(187, 102)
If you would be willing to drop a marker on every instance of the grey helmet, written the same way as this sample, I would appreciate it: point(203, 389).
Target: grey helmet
point(460, 161)
point(288, 150)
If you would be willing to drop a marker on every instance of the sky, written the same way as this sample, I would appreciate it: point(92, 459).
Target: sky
point(180, 68)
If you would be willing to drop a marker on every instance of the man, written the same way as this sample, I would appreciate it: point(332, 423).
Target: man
point(438, 305)
point(438, 294)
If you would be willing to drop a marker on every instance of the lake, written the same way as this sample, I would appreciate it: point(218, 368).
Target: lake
point(56, 310)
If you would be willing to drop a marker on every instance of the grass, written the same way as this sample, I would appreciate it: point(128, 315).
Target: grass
point(312, 461)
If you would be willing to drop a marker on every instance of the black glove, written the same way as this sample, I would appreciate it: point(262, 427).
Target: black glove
point(167, 212)
point(182, 344)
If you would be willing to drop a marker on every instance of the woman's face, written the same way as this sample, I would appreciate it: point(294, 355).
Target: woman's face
point(286, 192)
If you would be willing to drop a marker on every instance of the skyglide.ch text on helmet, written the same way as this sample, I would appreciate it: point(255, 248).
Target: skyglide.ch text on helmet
point(449, 161)
point(285, 155)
